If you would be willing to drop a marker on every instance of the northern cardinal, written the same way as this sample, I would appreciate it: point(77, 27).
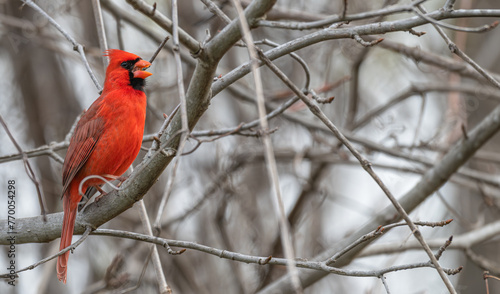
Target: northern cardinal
point(106, 140)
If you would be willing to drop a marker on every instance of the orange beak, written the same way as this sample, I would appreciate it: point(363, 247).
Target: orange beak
point(139, 67)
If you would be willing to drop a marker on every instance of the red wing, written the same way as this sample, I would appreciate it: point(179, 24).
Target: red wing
point(83, 142)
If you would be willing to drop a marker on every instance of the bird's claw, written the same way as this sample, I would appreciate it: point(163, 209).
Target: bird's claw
point(98, 198)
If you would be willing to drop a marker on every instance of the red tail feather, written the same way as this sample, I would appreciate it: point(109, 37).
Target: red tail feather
point(66, 236)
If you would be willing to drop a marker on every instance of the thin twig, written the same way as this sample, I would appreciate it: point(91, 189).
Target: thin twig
point(184, 132)
point(160, 276)
point(180, 76)
point(76, 46)
point(420, 119)
point(365, 238)
point(466, 58)
point(277, 111)
point(454, 49)
point(199, 142)
point(481, 29)
point(156, 143)
point(382, 278)
point(421, 89)
point(29, 171)
point(449, 4)
point(159, 49)
point(362, 30)
point(270, 159)
point(141, 276)
point(119, 32)
point(157, 35)
point(72, 247)
point(443, 248)
point(365, 43)
point(295, 56)
point(344, 9)
point(460, 242)
point(167, 24)
point(332, 20)
point(213, 8)
point(101, 33)
point(220, 178)
point(378, 232)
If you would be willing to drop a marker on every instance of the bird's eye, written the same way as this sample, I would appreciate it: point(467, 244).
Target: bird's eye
point(124, 64)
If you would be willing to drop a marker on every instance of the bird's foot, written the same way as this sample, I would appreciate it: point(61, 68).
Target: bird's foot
point(98, 198)
point(121, 179)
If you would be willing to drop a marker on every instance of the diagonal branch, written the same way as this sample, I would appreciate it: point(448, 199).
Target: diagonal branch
point(101, 33)
point(29, 170)
point(76, 46)
point(432, 180)
point(272, 168)
point(191, 43)
point(366, 166)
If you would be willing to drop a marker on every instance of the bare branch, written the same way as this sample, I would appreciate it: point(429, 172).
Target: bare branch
point(184, 132)
point(72, 247)
point(366, 166)
point(454, 49)
point(338, 18)
point(480, 29)
point(159, 49)
point(361, 30)
point(420, 89)
point(160, 276)
point(272, 168)
point(101, 33)
point(76, 46)
point(314, 265)
point(449, 4)
point(167, 24)
point(365, 43)
point(29, 171)
point(216, 11)
point(430, 182)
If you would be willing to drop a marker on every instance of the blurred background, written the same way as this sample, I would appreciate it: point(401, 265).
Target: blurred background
point(222, 195)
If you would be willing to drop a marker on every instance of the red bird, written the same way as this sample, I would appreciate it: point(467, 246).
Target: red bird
point(106, 140)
